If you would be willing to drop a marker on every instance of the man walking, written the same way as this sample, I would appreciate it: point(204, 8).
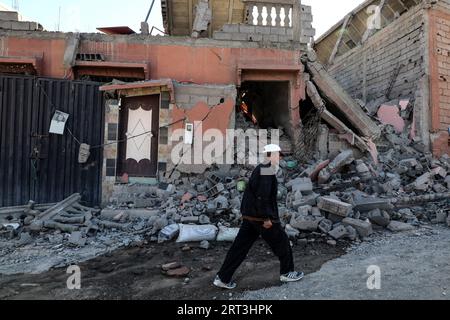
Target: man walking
point(260, 218)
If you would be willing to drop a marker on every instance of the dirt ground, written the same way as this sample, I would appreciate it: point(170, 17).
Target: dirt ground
point(135, 273)
point(412, 265)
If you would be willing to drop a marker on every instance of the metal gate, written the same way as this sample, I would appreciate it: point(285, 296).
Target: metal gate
point(36, 165)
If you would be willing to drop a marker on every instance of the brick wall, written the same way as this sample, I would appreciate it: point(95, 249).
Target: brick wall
point(440, 77)
point(366, 71)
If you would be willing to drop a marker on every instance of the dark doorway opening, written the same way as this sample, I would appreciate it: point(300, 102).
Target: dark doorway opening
point(265, 104)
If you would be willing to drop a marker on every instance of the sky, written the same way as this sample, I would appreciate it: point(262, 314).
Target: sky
point(87, 15)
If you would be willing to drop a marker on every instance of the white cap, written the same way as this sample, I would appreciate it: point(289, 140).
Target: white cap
point(272, 148)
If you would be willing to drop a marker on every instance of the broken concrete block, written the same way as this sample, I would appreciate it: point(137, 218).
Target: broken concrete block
point(332, 243)
point(352, 234)
point(338, 232)
point(291, 232)
point(441, 216)
point(187, 220)
point(204, 245)
point(325, 225)
point(447, 181)
point(439, 188)
point(334, 206)
point(303, 185)
point(364, 228)
point(448, 220)
point(221, 202)
point(367, 204)
point(304, 210)
point(439, 171)
point(306, 224)
point(379, 217)
point(25, 238)
point(110, 214)
point(397, 226)
point(343, 159)
point(203, 219)
point(76, 238)
point(423, 182)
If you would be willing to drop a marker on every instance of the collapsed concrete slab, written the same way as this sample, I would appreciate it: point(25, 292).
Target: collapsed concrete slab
point(333, 92)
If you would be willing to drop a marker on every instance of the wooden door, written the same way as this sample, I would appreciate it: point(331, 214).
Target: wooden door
point(139, 129)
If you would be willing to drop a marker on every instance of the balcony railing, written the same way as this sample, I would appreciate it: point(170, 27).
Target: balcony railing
point(276, 13)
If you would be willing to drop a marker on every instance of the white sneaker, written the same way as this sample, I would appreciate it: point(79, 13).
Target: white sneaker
point(218, 283)
point(292, 277)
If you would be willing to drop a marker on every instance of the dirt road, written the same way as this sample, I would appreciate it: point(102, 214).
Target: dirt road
point(414, 265)
point(135, 273)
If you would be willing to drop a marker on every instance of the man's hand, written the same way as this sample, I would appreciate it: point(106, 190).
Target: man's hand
point(267, 224)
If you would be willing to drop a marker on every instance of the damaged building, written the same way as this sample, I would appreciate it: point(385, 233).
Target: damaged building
point(157, 84)
point(91, 120)
point(397, 68)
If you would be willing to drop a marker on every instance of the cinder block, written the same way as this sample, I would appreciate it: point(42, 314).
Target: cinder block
point(290, 32)
point(214, 101)
point(230, 28)
point(284, 39)
point(262, 29)
point(6, 25)
point(245, 28)
point(306, 9)
point(198, 99)
point(182, 98)
point(20, 25)
point(255, 37)
point(239, 36)
point(278, 30)
point(219, 35)
point(270, 37)
point(334, 206)
point(9, 16)
point(309, 32)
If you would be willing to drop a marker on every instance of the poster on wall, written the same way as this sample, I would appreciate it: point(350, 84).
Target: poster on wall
point(58, 122)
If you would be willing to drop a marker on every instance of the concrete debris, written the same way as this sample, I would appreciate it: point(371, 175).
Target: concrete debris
point(379, 217)
point(338, 232)
point(364, 228)
point(396, 226)
point(204, 245)
point(334, 206)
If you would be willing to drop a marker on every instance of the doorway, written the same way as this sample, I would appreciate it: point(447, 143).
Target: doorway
point(138, 133)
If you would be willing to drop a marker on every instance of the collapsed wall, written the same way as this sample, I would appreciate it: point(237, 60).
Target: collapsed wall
point(391, 65)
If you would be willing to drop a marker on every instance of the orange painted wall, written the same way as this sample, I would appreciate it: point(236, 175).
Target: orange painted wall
point(439, 53)
point(183, 63)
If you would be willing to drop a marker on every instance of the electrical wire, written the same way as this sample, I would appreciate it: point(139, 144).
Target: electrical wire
point(111, 143)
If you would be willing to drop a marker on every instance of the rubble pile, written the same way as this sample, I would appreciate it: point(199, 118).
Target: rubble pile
point(345, 198)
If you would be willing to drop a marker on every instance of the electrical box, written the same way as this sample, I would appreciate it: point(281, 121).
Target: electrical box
point(189, 134)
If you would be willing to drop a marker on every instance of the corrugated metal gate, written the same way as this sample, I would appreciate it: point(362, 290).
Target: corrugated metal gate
point(36, 165)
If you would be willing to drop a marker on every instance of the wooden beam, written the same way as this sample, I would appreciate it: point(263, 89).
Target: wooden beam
point(339, 40)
